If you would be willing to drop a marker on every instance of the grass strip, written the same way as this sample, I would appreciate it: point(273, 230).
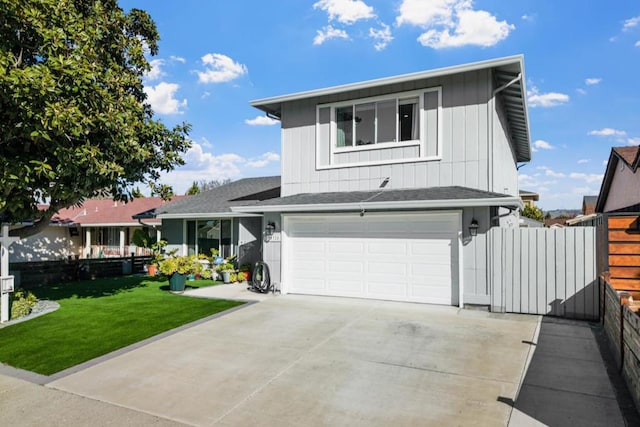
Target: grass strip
point(99, 316)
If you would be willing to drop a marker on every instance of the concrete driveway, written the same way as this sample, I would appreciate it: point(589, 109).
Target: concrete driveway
point(300, 360)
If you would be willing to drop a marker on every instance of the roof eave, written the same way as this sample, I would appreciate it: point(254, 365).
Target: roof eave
point(233, 214)
point(515, 202)
point(263, 103)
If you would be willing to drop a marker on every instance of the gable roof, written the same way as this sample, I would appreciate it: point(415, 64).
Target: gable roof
point(529, 195)
point(508, 73)
point(418, 198)
point(218, 201)
point(630, 156)
point(105, 212)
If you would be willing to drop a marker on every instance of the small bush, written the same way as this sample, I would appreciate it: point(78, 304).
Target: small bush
point(23, 302)
point(233, 277)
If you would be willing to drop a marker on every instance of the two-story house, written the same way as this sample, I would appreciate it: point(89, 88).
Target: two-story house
point(389, 186)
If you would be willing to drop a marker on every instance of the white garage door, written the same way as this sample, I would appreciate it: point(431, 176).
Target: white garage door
point(410, 257)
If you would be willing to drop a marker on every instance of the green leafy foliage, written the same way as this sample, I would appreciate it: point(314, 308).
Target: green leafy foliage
point(23, 302)
point(74, 122)
point(193, 190)
point(532, 212)
point(180, 264)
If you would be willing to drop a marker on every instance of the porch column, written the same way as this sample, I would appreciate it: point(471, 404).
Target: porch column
point(87, 243)
point(122, 242)
point(5, 242)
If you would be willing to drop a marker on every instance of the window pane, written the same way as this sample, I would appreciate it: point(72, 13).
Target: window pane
point(365, 123)
point(409, 119)
point(208, 236)
point(386, 121)
point(191, 237)
point(344, 116)
point(226, 246)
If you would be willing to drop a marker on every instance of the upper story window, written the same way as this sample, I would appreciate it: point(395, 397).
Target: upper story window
point(408, 119)
point(388, 120)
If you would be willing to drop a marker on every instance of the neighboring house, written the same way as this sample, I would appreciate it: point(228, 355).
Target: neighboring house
point(555, 222)
point(588, 217)
point(205, 221)
point(98, 228)
point(526, 222)
point(619, 208)
point(620, 190)
point(529, 197)
point(386, 183)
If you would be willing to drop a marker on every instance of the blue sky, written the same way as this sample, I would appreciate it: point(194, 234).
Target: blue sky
point(582, 64)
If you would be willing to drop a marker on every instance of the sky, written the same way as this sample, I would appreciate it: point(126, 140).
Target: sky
point(582, 62)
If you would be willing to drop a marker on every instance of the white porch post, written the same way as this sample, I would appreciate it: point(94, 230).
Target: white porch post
point(122, 237)
point(5, 242)
point(87, 242)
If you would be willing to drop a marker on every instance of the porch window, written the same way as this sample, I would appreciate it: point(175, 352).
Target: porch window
point(204, 235)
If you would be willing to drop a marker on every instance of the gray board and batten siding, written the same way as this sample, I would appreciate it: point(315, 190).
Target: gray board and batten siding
point(474, 138)
point(545, 271)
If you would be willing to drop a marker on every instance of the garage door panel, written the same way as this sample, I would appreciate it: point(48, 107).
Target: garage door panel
point(346, 267)
point(395, 257)
point(345, 246)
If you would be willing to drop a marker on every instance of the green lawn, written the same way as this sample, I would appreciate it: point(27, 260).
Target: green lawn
point(99, 316)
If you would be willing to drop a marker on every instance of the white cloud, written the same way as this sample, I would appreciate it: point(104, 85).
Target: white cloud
point(607, 132)
point(545, 100)
point(205, 94)
point(633, 141)
point(264, 160)
point(587, 177)
point(631, 23)
point(178, 59)
point(637, 44)
point(220, 68)
point(162, 98)
point(592, 81)
point(155, 72)
point(261, 121)
point(452, 23)
point(345, 11)
point(551, 173)
point(543, 145)
point(328, 33)
point(583, 161)
point(530, 18)
point(382, 36)
point(581, 91)
point(203, 165)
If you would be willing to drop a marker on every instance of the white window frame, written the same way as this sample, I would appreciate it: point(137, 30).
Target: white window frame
point(421, 142)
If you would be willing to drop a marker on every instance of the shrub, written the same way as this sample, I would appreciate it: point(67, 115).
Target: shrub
point(243, 276)
point(233, 277)
point(23, 302)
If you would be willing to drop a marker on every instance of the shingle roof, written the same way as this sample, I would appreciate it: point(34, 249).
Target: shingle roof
point(453, 196)
point(630, 155)
point(105, 211)
point(220, 199)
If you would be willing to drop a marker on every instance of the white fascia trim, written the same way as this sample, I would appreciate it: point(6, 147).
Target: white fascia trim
point(492, 63)
point(406, 204)
point(233, 214)
point(380, 162)
point(112, 224)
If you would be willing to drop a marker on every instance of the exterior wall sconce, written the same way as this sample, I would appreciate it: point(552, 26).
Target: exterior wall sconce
point(270, 228)
point(473, 227)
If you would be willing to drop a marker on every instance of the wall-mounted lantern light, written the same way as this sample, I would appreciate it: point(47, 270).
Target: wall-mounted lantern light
point(473, 227)
point(270, 228)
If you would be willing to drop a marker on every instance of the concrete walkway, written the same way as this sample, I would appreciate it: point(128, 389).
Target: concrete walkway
point(233, 291)
point(313, 361)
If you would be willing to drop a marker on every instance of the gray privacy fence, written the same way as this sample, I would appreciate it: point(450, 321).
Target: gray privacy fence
point(545, 271)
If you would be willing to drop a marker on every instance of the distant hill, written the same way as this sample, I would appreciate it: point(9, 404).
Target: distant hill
point(569, 213)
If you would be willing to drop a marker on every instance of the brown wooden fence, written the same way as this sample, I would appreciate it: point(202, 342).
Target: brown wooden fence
point(33, 274)
point(619, 250)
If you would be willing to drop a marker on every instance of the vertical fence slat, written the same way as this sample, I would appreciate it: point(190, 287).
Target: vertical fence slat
point(591, 297)
point(560, 272)
point(508, 269)
point(524, 271)
point(570, 270)
point(541, 294)
point(580, 273)
point(515, 278)
point(552, 306)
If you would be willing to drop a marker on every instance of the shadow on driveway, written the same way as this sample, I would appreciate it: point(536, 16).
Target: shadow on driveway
point(571, 380)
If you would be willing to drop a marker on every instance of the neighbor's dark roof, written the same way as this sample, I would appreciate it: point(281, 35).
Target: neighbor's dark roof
point(220, 199)
point(630, 155)
point(432, 193)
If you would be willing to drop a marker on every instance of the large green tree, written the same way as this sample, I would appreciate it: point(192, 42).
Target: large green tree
point(74, 123)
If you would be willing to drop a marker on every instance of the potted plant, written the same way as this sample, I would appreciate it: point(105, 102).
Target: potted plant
point(142, 239)
point(177, 268)
point(225, 270)
point(244, 273)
